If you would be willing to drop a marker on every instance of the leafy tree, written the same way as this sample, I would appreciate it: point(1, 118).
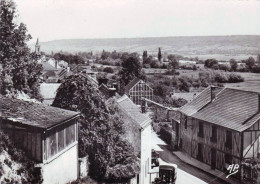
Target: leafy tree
point(172, 66)
point(101, 132)
point(14, 53)
point(131, 68)
point(233, 64)
point(108, 70)
point(209, 63)
point(159, 55)
point(148, 60)
point(114, 55)
point(250, 62)
point(145, 55)
point(105, 55)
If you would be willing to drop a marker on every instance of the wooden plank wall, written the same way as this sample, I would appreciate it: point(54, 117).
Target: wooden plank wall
point(27, 140)
point(190, 140)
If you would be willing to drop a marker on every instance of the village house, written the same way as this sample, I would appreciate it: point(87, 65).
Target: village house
point(48, 135)
point(139, 134)
point(219, 127)
point(138, 89)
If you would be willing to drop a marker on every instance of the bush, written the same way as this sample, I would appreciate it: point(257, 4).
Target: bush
point(28, 169)
point(108, 70)
point(165, 135)
point(233, 78)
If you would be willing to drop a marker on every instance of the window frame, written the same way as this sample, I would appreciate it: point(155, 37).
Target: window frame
point(214, 136)
point(201, 129)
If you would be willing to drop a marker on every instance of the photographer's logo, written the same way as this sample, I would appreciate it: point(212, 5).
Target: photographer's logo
point(233, 169)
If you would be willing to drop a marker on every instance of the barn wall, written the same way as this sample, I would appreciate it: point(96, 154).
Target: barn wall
point(190, 142)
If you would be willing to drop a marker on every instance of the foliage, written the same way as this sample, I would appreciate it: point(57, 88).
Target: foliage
point(166, 135)
point(233, 65)
point(210, 62)
point(250, 62)
point(69, 58)
point(15, 56)
point(145, 56)
point(131, 68)
point(159, 54)
point(108, 70)
point(28, 170)
point(111, 157)
point(172, 66)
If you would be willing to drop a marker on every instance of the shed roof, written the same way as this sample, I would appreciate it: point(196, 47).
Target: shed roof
point(133, 111)
point(32, 114)
point(231, 108)
point(131, 84)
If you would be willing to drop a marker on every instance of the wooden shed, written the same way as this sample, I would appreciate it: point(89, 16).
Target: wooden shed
point(220, 127)
point(48, 135)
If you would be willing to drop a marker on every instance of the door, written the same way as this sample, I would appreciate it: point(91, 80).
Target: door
point(213, 158)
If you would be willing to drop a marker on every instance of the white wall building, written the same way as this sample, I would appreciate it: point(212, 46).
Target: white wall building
point(143, 136)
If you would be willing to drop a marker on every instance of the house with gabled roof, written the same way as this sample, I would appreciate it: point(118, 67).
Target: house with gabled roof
point(48, 135)
point(139, 134)
point(138, 89)
point(220, 127)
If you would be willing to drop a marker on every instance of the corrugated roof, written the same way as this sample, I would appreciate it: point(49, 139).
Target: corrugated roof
point(32, 114)
point(131, 84)
point(231, 108)
point(133, 111)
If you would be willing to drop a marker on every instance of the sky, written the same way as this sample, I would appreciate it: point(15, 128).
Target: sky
point(82, 19)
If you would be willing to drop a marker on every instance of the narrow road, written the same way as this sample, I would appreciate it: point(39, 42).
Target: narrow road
point(185, 170)
point(186, 173)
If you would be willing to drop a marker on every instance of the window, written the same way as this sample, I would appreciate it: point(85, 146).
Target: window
point(213, 134)
point(70, 134)
point(228, 159)
point(229, 139)
point(200, 133)
point(61, 140)
point(52, 150)
point(185, 122)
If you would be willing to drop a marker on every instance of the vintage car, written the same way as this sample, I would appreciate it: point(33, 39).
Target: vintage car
point(167, 173)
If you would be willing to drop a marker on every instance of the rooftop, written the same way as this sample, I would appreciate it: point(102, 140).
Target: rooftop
point(131, 84)
point(231, 108)
point(133, 111)
point(33, 114)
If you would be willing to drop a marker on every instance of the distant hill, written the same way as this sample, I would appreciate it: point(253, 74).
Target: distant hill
point(223, 47)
